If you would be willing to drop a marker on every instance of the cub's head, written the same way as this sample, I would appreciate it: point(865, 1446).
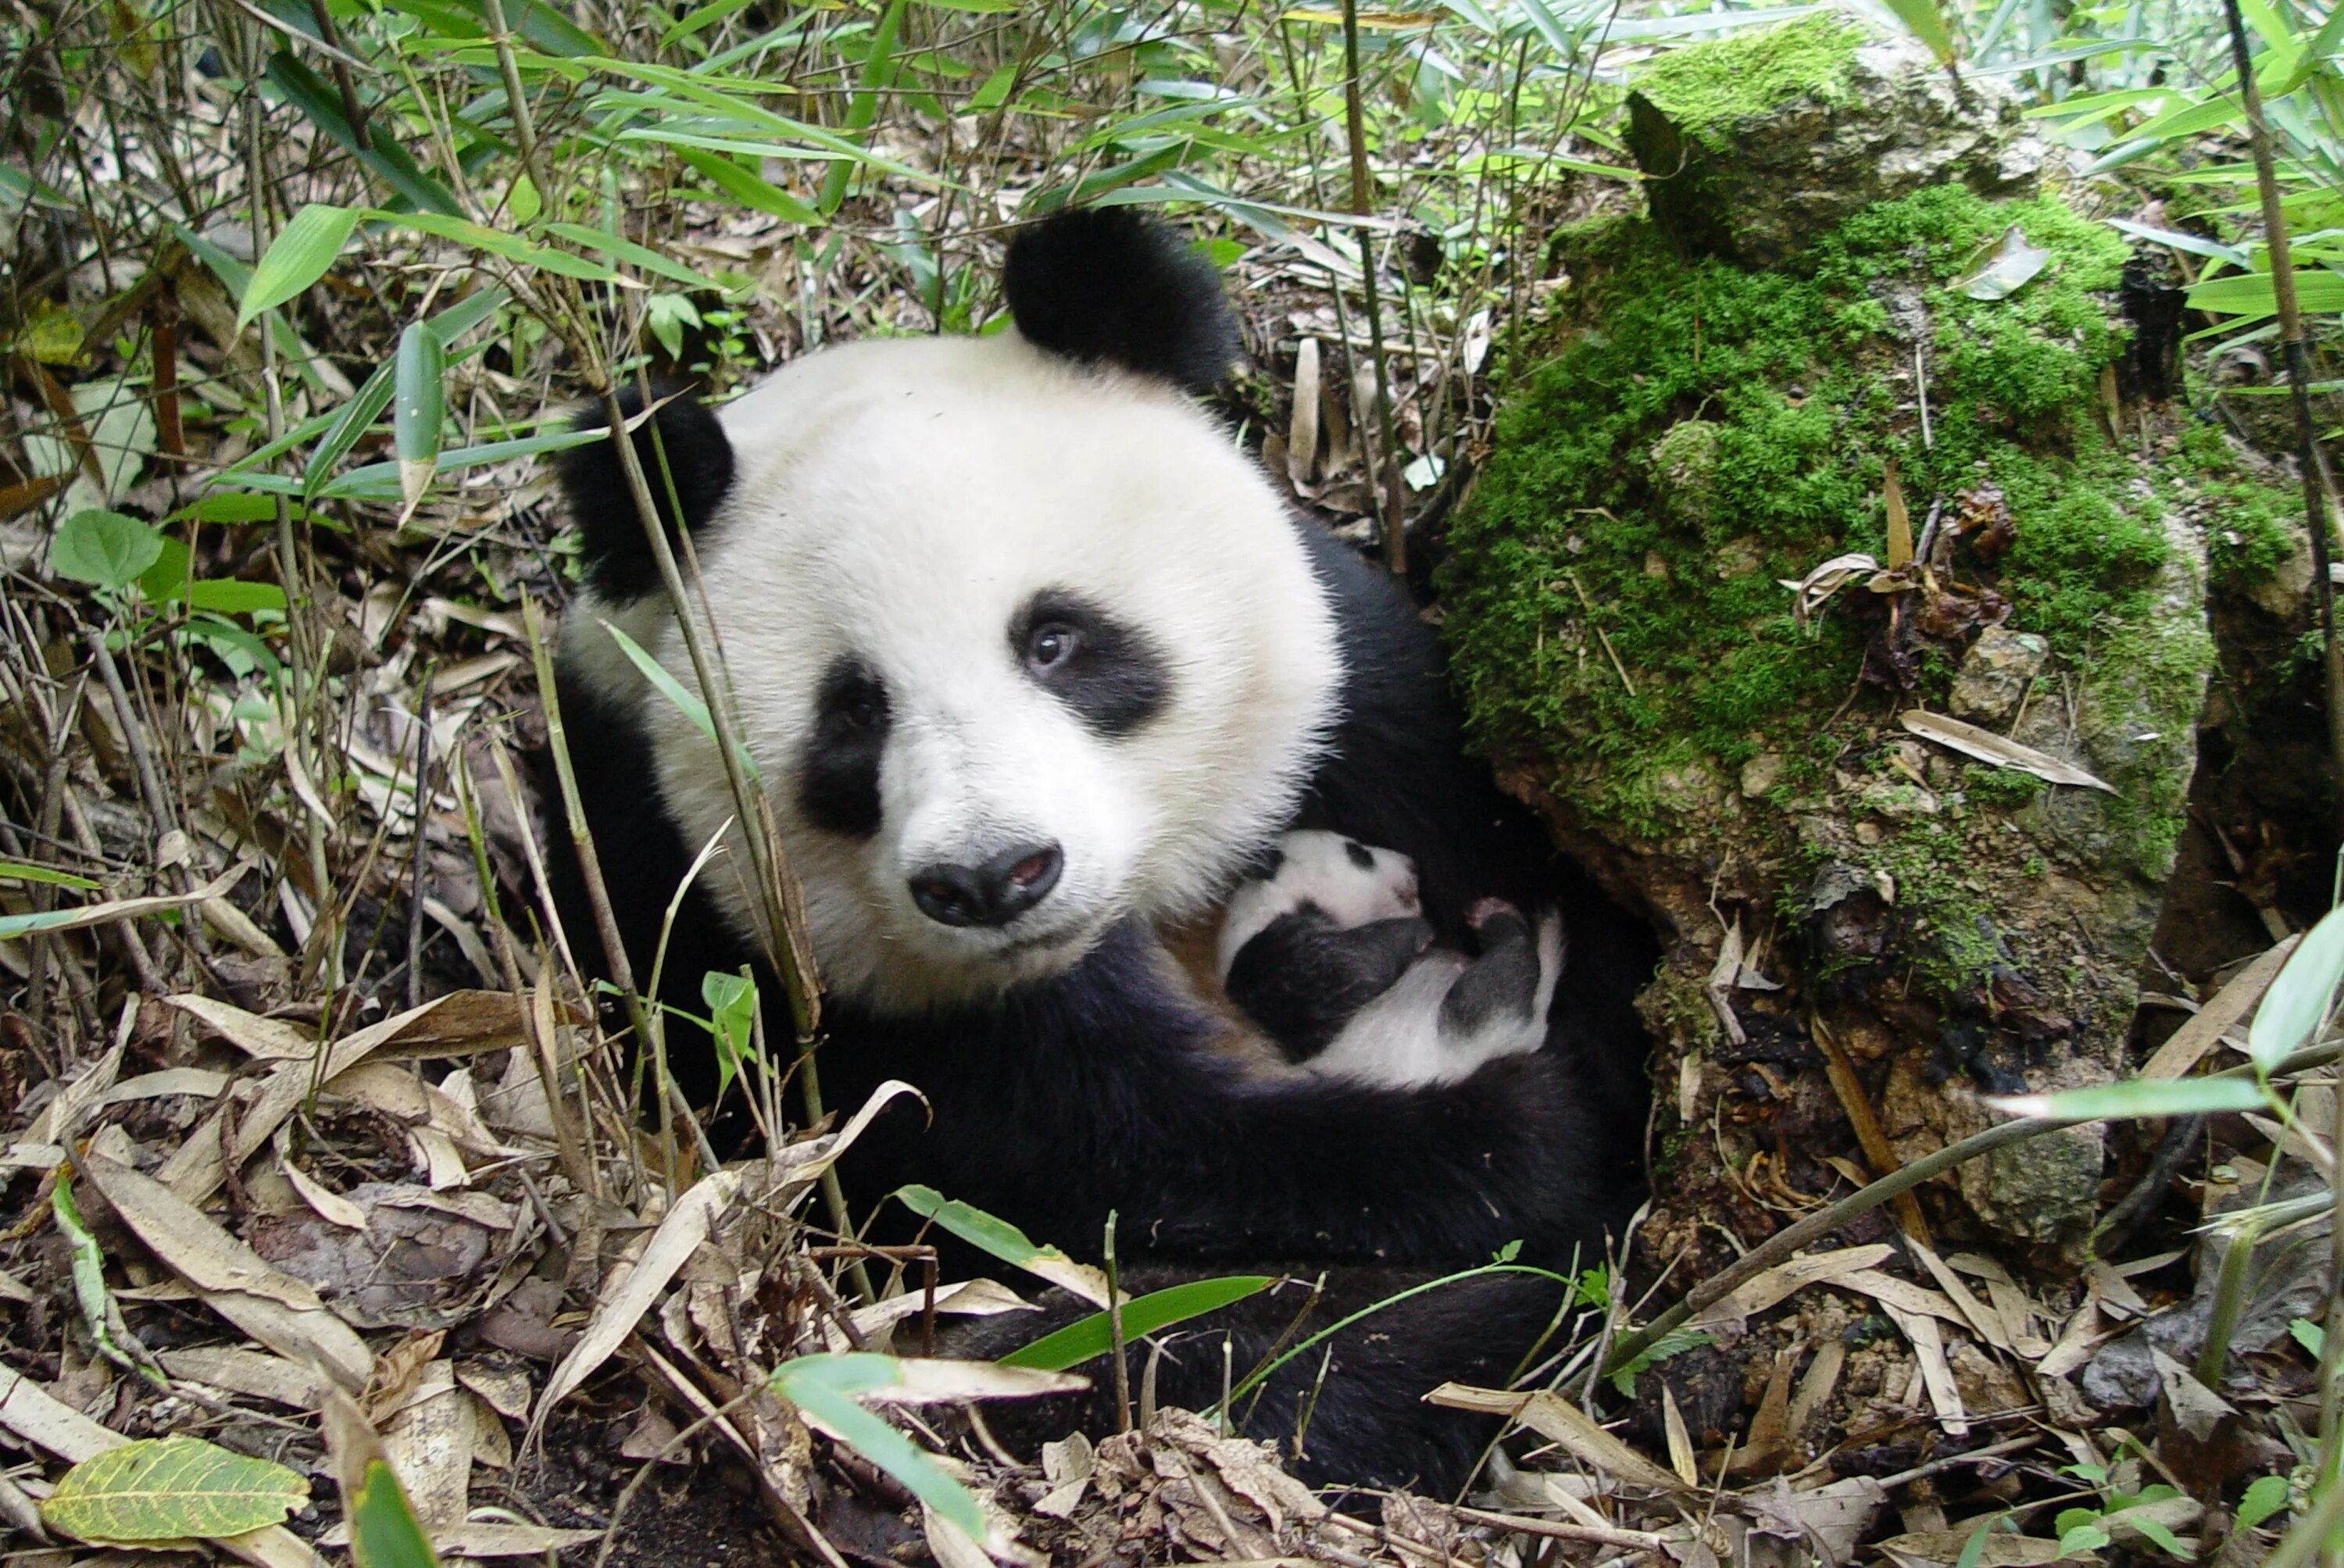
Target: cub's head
point(1349, 883)
point(1021, 643)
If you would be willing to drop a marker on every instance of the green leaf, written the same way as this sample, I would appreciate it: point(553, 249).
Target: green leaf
point(2137, 1098)
point(1675, 1342)
point(167, 580)
point(497, 242)
point(384, 1533)
point(975, 1226)
point(667, 686)
point(2165, 1541)
point(300, 254)
point(863, 108)
point(171, 1489)
point(231, 596)
point(627, 251)
point(357, 417)
point(748, 189)
point(466, 314)
point(522, 200)
point(2265, 1497)
point(46, 875)
point(1923, 20)
point(1081, 1340)
point(389, 161)
point(2297, 1001)
point(2250, 293)
point(731, 1019)
point(1973, 1549)
point(418, 407)
point(2082, 1539)
point(823, 1386)
point(104, 548)
point(2309, 1335)
point(2191, 119)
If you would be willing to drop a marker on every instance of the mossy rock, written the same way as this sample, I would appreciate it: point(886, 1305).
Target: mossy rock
point(1756, 142)
point(1615, 601)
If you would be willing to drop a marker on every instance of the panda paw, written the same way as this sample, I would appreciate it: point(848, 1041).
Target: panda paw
point(1495, 922)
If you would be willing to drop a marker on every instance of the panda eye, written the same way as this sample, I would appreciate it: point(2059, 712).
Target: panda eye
point(1052, 644)
point(862, 711)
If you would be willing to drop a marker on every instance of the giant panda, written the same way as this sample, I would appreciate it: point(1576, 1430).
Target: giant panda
point(1033, 661)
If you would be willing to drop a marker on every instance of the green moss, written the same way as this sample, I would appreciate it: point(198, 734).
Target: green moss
point(2005, 787)
point(1711, 431)
point(2247, 532)
point(1706, 90)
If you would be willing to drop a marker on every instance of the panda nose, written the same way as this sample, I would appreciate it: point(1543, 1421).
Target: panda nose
point(993, 893)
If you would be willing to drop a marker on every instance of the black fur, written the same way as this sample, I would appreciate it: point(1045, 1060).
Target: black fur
point(838, 776)
point(1503, 979)
point(618, 558)
point(1112, 675)
point(1302, 977)
point(1106, 286)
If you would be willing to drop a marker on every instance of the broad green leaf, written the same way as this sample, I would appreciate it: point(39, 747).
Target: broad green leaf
point(228, 506)
point(232, 596)
point(2083, 1538)
point(466, 314)
point(731, 1020)
point(823, 1387)
point(522, 200)
point(2298, 999)
point(46, 875)
point(418, 407)
point(2250, 293)
point(357, 417)
point(167, 580)
point(2309, 1335)
point(2164, 1538)
point(1081, 1340)
point(2137, 1097)
point(384, 1533)
point(300, 254)
point(1973, 1549)
point(171, 1489)
point(863, 108)
point(2191, 119)
point(2265, 1497)
point(104, 548)
point(2213, 250)
point(1923, 21)
point(748, 189)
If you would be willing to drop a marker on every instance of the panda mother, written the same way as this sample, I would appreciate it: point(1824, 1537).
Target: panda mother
point(1033, 661)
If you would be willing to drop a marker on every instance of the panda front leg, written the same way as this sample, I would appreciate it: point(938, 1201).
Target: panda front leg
point(1498, 1006)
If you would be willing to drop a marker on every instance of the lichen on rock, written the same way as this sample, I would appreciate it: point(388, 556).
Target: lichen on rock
point(1698, 435)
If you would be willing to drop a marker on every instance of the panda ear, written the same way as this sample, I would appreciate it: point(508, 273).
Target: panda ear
point(1104, 285)
point(618, 558)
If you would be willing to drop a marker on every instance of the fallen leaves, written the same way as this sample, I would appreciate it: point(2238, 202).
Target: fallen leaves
point(170, 1489)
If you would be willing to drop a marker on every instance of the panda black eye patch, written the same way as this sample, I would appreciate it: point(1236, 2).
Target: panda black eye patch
point(1110, 675)
point(838, 775)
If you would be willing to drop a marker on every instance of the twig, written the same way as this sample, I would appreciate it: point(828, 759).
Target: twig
point(1355, 128)
point(1115, 1331)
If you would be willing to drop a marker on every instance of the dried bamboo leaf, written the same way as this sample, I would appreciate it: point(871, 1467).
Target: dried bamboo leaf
point(1989, 747)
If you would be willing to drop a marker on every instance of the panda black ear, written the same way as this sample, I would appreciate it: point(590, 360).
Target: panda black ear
point(1105, 285)
point(618, 558)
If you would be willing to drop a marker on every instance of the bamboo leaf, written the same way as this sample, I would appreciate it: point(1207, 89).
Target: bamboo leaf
point(2137, 1097)
point(1923, 21)
point(1081, 1340)
point(1004, 1242)
point(823, 1387)
point(2297, 1001)
point(357, 417)
point(171, 1489)
point(300, 254)
point(420, 408)
point(748, 189)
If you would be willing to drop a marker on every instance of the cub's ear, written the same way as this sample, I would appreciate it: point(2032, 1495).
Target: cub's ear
point(1106, 285)
point(618, 558)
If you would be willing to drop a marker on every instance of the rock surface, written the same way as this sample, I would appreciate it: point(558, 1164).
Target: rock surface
point(1757, 144)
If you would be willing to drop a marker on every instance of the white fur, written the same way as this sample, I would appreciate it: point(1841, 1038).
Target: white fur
point(1400, 1038)
point(901, 500)
point(1315, 867)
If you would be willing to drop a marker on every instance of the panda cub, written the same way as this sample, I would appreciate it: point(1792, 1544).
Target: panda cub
point(1327, 948)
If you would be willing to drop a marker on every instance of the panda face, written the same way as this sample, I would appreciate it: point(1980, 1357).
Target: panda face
point(1022, 649)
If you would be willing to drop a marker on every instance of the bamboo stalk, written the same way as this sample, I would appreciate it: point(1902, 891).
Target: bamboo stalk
point(2318, 485)
point(1387, 482)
